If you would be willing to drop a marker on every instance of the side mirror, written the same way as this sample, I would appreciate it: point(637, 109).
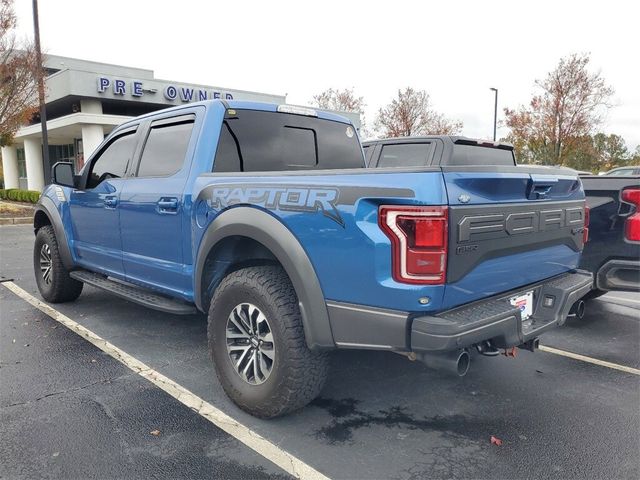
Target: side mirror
point(62, 174)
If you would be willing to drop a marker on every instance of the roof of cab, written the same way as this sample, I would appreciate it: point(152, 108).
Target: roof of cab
point(241, 105)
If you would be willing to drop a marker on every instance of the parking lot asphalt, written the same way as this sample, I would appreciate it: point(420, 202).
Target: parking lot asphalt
point(379, 415)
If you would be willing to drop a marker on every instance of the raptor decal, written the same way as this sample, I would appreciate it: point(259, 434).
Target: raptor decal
point(295, 198)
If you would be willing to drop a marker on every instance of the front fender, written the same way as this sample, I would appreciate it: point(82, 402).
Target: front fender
point(267, 230)
point(47, 207)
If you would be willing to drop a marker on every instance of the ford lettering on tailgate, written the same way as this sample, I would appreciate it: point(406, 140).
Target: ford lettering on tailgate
point(502, 224)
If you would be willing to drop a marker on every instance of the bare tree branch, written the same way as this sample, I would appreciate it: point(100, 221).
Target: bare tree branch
point(411, 114)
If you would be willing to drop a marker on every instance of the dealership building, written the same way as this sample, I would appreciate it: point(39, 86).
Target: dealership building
point(86, 100)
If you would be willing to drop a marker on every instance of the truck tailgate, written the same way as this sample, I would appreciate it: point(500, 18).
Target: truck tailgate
point(509, 229)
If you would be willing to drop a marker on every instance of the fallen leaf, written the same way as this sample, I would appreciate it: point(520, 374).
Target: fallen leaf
point(155, 433)
point(495, 441)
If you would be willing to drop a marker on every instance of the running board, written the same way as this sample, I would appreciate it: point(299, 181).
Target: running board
point(134, 293)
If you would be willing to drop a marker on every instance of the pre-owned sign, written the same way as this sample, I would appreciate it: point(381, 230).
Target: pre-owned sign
point(135, 88)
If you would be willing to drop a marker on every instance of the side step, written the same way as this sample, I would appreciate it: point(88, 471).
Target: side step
point(135, 294)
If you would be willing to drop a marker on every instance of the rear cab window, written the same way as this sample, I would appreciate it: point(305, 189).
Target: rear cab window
point(481, 155)
point(406, 154)
point(261, 141)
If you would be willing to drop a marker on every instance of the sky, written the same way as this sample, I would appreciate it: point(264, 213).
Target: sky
point(455, 50)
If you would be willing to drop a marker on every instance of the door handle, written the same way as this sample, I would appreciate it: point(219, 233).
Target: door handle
point(110, 201)
point(168, 205)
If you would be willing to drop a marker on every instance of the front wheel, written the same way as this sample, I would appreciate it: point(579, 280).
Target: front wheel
point(257, 342)
point(54, 282)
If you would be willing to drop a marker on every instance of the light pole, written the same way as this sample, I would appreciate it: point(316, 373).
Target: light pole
point(43, 109)
point(495, 113)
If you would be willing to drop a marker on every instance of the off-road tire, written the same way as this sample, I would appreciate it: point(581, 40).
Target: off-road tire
point(61, 287)
point(298, 374)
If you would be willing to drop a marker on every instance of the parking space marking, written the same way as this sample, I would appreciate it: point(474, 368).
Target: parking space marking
point(595, 361)
point(620, 299)
point(286, 461)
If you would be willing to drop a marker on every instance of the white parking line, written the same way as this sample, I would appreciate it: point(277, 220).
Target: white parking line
point(595, 361)
point(244, 434)
point(620, 299)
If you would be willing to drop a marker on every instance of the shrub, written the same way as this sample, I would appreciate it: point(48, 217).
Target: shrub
point(29, 196)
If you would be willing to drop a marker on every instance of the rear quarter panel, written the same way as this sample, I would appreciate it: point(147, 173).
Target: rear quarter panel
point(350, 253)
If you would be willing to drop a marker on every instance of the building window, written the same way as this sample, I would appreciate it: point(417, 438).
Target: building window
point(62, 153)
point(22, 163)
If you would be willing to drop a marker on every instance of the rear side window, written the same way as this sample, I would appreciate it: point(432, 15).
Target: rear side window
point(257, 141)
point(368, 151)
point(406, 155)
point(479, 155)
point(112, 162)
point(165, 149)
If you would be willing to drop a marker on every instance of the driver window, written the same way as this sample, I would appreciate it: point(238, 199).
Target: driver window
point(113, 160)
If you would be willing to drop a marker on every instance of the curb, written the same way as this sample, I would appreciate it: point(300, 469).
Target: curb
point(16, 221)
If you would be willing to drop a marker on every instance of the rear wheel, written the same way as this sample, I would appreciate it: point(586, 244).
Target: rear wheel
point(54, 283)
point(257, 342)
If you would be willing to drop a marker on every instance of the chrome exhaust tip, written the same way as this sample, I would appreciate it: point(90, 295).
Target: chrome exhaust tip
point(578, 310)
point(456, 362)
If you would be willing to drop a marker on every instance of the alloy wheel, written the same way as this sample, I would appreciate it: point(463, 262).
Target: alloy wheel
point(250, 343)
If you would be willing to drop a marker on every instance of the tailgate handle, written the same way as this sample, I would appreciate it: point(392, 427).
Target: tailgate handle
point(540, 189)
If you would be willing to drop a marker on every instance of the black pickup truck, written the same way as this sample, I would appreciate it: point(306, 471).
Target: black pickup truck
point(613, 250)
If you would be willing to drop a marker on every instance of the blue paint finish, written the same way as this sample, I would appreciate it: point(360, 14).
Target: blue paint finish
point(494, 187)
point(512, 271)
point(96, 227)
point(342, 255)
point(158, 263)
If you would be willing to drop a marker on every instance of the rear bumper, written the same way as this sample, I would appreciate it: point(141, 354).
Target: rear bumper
point(619, 275)
point(495, 319)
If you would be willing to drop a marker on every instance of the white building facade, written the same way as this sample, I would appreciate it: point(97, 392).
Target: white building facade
point(86, 100)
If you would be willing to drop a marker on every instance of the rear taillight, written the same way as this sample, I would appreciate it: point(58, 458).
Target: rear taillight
point(418, 242)
point(632, 225)
point(587, 219)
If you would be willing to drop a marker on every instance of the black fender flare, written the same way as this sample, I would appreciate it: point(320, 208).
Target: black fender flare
point(46, 206)
point(267, 230)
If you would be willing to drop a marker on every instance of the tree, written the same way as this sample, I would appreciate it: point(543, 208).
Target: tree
point(635, 158)
point(343, 101)
point(611, 151)
point(411, 114)
point(340, 100)
point(18, 88)
point(569, 106)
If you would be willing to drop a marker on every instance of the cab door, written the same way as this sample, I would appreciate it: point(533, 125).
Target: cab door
point(152, 207)
point(95, 208)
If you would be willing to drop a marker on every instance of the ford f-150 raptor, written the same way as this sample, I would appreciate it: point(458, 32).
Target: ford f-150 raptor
point(265, 218)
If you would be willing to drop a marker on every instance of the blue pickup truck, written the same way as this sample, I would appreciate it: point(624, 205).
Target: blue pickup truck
point(266, 218)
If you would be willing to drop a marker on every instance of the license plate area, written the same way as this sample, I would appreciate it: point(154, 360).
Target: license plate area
point(524, 302)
